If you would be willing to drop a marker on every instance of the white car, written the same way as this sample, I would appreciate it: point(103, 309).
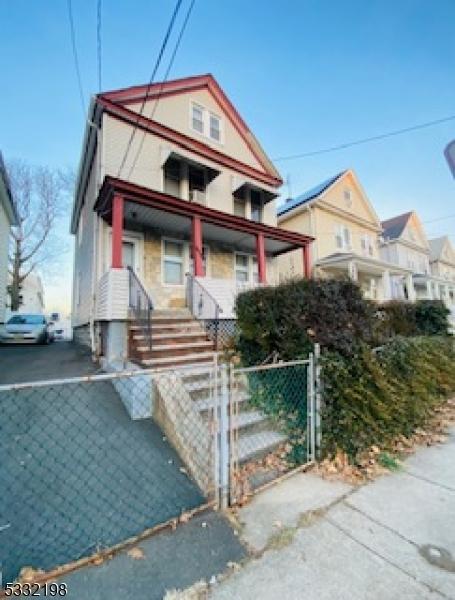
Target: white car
point(26, 329)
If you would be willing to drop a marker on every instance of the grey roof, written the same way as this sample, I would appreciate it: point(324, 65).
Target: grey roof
point(11, 210)
point(394, 227)
point(436, 247)
point(308, 195)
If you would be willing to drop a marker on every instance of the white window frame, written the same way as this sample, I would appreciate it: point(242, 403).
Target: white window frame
point(194, 105)
point(340, 232)
point(185, 261)
point(244, 204)
point(249, 269)
point(220, 127)
point(366, 244)
point(347, 196)
point(134, 237)
point(206, 114)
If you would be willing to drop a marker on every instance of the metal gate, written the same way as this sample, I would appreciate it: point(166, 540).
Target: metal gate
point(274, 423)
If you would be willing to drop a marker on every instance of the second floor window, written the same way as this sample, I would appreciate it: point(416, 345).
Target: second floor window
point(256, 206)
point(366, 245)
point(343, 237)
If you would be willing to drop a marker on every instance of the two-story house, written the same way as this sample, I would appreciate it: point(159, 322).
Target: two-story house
point(346, 228)
point(8, 218)
point(174, 208)
point(405, 243)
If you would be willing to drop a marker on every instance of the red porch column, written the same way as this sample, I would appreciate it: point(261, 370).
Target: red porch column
point(196, 247)
point(260, 254)
point(307, 261)
point(117, 231)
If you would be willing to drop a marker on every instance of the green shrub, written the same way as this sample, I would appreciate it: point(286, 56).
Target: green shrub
point(372, 397)
point(289, 318)
point(424, 317)
point(431, 317)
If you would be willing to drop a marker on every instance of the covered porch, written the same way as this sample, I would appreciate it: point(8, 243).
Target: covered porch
point(171, 244)
point(379, 280)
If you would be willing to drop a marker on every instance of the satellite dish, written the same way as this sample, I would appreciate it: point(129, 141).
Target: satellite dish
point(449, 153)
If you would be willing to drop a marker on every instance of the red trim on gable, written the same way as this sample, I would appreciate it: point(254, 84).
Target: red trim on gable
point(186, 142)
point(179, 86)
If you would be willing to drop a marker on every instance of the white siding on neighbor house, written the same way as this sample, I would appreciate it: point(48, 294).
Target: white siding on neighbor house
point(4, 243)
point(404, 256)
point(85, 258)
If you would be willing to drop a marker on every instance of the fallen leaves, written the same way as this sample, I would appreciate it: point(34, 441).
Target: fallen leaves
point(136, 553)
point(370, 464)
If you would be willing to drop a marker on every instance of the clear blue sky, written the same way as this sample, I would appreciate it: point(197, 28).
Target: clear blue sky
point(304, 74)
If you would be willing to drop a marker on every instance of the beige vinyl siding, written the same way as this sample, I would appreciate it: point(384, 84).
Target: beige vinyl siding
point(4, 242)
point(148, 170)
point(175, 112)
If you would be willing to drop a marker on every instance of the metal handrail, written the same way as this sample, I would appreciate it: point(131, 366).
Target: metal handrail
point(204, 294)
point(141, 305)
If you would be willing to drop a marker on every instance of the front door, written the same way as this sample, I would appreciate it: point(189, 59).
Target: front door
point(128, 255)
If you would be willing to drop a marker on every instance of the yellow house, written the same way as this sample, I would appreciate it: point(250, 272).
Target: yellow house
point(347, 232)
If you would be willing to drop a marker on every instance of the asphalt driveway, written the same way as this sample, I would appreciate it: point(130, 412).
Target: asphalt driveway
point(23, 363)
point(76, 473)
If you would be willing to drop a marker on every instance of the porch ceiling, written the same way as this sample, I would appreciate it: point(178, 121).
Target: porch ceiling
point(365, 265)
point(150, 208)
point(139, 217)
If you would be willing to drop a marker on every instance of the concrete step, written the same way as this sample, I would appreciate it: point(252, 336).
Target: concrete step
point(174, 350)
point(257, 445)
point(178, 337)
point(177, 361)
point(204, 404)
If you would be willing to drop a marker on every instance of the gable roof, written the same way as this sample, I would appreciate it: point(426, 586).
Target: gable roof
point(140, 93)
point(394, 227)
point(7, 198)
point(310, 194)
point(437, 246)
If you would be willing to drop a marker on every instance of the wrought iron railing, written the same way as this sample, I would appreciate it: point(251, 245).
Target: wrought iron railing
point(203, 306)
point(141, 306)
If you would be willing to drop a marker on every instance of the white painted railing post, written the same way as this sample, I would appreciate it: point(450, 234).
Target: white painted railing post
point(224, 437)
point(317, 397)
point(310, 408)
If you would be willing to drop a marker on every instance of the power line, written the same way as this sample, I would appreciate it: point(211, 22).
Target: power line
point(98, 43)
point(368, 139)
point(440, 219)
point(155, 69)
point(166, 75)
point(75, 56)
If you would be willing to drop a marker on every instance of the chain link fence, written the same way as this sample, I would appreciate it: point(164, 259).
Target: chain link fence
point(272, 423)
point(84, 466)
point(88, 463)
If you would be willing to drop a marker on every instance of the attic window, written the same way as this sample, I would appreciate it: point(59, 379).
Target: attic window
point(206, 123)
point(197, 116)
point(347, 198)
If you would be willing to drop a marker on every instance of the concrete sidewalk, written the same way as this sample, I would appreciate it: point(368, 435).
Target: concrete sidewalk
point(314, 539)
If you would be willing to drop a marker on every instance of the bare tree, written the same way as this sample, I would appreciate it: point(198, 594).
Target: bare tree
point(40, 194)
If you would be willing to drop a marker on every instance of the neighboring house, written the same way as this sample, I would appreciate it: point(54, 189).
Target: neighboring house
point(442, 263)
point(31, 295)
point(346, 228)
point(8, 218)
point(195, 194)
point(405, 243)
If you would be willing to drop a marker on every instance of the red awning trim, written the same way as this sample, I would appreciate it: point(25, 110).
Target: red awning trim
point(141, 195)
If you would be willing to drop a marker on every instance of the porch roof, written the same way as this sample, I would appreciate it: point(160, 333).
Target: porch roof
point(365, 264)
point(168, 213)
